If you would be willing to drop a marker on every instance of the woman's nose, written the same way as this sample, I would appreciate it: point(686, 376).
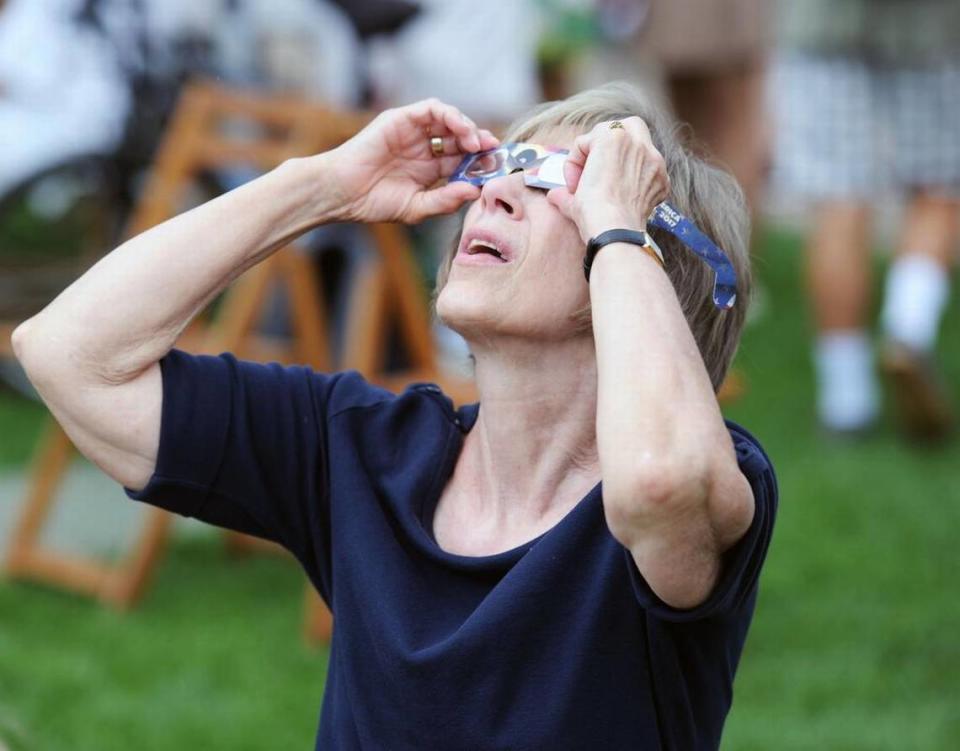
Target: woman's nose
point(503, 194)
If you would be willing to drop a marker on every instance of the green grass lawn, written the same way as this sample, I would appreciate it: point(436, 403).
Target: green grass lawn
point(21, 422)
point(213, 659)
point(855, 643)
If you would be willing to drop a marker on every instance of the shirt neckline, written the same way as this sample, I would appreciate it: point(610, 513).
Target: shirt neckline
point(464, 419)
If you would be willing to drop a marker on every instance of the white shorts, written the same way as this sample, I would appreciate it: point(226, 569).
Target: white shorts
point(848, 129)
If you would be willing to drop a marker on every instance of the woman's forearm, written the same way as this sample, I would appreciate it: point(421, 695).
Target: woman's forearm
point(127, 311)
point(656, 404)
point(672, 491)
point(93, 354)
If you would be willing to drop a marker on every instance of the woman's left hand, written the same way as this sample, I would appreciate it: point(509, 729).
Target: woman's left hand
point(615, 177)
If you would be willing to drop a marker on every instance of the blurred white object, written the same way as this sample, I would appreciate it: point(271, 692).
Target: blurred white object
point(61, 93)
point(620, 20)
point(480, 57)
point(307, 46)
point(848, 398)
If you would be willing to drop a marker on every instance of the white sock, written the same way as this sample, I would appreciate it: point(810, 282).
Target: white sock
point(847, 390)
point(916, 294)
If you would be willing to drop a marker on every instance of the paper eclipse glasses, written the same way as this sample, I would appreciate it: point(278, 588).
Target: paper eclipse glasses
point(542, 167)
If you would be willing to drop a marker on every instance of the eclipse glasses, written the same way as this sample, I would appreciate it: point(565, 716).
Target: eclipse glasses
point(542, 167)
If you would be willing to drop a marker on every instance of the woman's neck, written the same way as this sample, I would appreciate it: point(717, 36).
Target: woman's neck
point(532, 453)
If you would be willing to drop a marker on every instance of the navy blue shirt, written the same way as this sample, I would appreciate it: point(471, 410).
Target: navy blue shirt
point(556, 644)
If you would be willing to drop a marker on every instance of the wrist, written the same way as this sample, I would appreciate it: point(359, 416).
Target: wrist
point(620, 240)
point(601, 222)
point(315, 180)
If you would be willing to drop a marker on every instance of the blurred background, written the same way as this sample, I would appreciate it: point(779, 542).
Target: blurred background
point(839, 119)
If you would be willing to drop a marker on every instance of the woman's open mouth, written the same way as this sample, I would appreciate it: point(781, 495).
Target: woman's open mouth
point(479, 248)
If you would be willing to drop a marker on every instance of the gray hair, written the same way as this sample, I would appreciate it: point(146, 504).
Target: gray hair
point(701, 191)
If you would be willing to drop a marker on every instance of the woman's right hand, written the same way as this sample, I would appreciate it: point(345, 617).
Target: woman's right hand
point(389, 173)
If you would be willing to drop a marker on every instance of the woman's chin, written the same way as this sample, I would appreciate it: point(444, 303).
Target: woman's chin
point(469, 324)
point(468, 316)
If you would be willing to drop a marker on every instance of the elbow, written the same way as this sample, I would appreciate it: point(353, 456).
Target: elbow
point(47, 353)
point(25, 345)
point(31, 344)
point(651, 495)
point(17, 340)
point(20, 342)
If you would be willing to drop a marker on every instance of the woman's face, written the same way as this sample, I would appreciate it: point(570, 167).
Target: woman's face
point(518, 269)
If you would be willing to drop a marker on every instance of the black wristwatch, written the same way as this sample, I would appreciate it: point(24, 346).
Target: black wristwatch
point(634, 237)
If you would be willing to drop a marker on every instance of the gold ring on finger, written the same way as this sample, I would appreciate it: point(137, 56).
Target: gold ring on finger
point(436, 146)
point(616, 124)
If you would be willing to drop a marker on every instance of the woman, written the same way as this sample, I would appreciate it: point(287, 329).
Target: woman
point(487, 594)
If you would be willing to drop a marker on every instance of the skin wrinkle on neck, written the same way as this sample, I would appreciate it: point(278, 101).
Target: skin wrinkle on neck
point(532, 454)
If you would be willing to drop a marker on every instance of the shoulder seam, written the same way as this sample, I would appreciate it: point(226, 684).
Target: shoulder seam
point(353, 407)
point(436, 399)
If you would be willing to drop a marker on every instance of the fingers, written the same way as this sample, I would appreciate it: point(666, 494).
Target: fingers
point(450, 163)
point(564, 201)
point(452, 145)
point(449, 145)
point(571, 175)
point(622, 151)
point(488, 140)
point(608, 133)
point(576, 161)
point(438, 119)
point(653, 168)
point(633, 128)
point(443, 200)
point(614, 177)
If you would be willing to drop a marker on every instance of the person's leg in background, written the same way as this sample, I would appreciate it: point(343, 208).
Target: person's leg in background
point(839, 283)
point(825, 152)
point(917, 285)
point(725, 109)
point(925, 104)
point(711, 58)
point(712, 55)
point(916, 293)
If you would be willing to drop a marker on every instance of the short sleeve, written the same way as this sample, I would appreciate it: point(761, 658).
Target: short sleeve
point(243, 446)
point(742, 563)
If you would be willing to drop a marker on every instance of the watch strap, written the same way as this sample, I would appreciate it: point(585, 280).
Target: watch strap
point(634, 237)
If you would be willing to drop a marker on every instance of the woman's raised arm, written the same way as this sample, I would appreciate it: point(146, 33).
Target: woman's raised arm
point(673, 492)
point(93, 352)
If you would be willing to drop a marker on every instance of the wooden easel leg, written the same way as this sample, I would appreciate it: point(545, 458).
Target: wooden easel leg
point(127, 583)
point(307, 312)
point(408, 294)
point(364, 335)
point(27, 559)
point(241, 304)
point(318, 623)
point(49, 465)
point(193, 142)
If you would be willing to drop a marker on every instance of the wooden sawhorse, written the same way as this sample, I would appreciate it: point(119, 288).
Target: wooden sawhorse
point(388, 290)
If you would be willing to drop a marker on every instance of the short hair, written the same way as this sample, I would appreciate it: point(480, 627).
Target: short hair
point(708, 195)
